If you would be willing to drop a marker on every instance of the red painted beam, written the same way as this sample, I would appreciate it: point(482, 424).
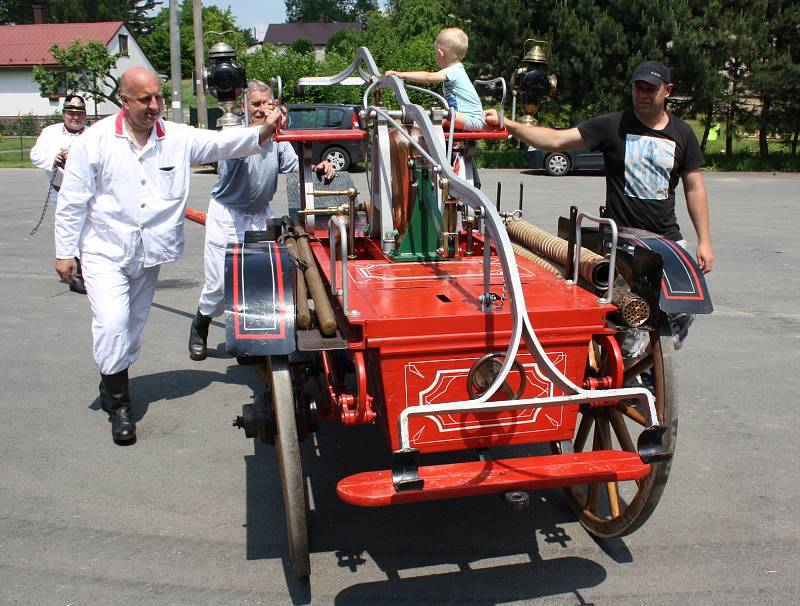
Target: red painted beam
point(198, 216)
point(455, 480)
point(489, 133)
point(321, 135)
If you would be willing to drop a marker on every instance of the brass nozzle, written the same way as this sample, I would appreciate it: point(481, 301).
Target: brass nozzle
point(350, 192)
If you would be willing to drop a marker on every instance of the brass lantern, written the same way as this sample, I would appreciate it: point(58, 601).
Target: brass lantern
point(225, 80)
point(531, 82)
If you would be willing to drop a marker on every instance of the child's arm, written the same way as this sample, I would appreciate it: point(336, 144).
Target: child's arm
point(420, 77)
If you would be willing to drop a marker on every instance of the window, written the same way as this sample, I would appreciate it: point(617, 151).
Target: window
point(122, 39)
point(302, 119)
point(335, 117)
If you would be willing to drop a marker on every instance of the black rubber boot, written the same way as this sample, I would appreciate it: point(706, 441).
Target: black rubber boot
point(77, 284)
point(198, 336)
point(115, 390)
point(104, 403)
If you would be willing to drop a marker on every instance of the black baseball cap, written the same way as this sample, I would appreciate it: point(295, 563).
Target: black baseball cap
point(74, 103)
point(652, 72)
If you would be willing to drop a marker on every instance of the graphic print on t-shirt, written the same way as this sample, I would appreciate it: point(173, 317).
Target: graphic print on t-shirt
point(648, 162)
point(449, 88)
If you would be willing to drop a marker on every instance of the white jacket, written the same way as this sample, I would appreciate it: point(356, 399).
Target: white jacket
point(51, 141)
point(116, 195)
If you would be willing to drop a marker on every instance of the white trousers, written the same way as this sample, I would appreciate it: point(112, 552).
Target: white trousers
point(120, 298)
point(224, 225)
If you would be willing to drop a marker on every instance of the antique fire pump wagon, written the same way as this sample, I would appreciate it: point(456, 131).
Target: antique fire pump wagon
point(449, 326)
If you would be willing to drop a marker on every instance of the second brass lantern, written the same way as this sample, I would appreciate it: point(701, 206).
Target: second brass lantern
point(531, 82)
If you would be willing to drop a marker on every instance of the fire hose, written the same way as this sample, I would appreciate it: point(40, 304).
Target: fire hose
point(593, 269)
point(547, 253)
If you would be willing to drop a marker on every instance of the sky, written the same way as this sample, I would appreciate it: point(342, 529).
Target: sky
point(253, 13)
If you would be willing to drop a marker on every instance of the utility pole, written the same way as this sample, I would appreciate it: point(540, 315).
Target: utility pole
point(175, 62)
point(199, 68)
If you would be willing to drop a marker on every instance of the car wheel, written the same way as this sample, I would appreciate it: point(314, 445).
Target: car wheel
point(339, 158)
point(557, 165)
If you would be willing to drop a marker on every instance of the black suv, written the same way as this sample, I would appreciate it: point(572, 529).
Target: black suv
point(328, 116)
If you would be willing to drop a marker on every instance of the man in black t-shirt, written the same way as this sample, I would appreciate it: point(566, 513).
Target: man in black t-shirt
point(646, 152)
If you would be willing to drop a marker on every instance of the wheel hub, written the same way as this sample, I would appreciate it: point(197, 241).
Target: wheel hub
point(257, 421)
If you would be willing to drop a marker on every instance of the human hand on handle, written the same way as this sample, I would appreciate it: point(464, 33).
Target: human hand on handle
point(492, 117)
point(61, 156)
point(325, 169)
point(275, 121)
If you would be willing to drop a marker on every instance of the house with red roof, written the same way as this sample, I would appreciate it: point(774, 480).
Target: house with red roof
point(284, 34)
point(23, 46)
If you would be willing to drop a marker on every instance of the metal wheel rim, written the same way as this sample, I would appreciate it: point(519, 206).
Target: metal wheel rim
point(558, 165)
point(287, 448)
point(337, 159)
point(589, 503)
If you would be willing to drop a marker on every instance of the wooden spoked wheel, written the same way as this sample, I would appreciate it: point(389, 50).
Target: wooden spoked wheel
point(614, 509)
point(287, 446)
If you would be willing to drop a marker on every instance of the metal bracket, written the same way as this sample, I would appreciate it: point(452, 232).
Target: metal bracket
point(405, 470)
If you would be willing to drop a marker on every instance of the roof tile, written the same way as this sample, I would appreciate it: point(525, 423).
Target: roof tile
point(318, 33)
point(26, 45)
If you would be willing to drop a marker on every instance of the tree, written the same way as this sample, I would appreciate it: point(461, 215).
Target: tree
point(16, 11)
point(133, 12)
point(83, 66)
point(344, 42)
point(775, 76)
point(302, 46)
point(332, 11)
point(218, 25)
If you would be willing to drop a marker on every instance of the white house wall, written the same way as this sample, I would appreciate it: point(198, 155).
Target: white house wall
point(19, 93)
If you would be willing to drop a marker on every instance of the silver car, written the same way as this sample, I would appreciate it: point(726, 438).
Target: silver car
point(560, 163)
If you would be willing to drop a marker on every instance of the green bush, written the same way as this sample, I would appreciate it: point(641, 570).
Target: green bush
point(749, 162)
point(500, 158)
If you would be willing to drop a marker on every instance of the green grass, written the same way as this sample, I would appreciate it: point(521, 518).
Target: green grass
point(14, 162)
point(746, 155)
point(747, 162)
point(500, 158)
point(12, 143)
point(189, 100)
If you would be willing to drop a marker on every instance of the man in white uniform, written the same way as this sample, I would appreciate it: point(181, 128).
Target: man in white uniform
point(240, 202)
point(51, 151)
point(122, 205)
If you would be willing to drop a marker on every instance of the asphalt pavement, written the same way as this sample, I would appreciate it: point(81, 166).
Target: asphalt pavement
point(192, 514)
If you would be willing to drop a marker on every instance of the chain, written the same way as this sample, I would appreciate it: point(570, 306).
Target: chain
point(499, 301)
point(47, 199)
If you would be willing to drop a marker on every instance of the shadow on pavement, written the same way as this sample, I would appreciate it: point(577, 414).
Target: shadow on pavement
point(479, 536)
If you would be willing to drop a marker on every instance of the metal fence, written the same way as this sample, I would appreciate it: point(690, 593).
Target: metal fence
point(18, 134)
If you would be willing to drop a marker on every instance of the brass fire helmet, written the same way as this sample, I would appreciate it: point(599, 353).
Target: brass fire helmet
point(531, 82)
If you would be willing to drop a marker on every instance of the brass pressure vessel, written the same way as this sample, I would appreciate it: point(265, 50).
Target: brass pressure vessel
point(593, 268)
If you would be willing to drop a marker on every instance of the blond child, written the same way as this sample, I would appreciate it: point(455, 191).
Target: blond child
point(451, 46)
